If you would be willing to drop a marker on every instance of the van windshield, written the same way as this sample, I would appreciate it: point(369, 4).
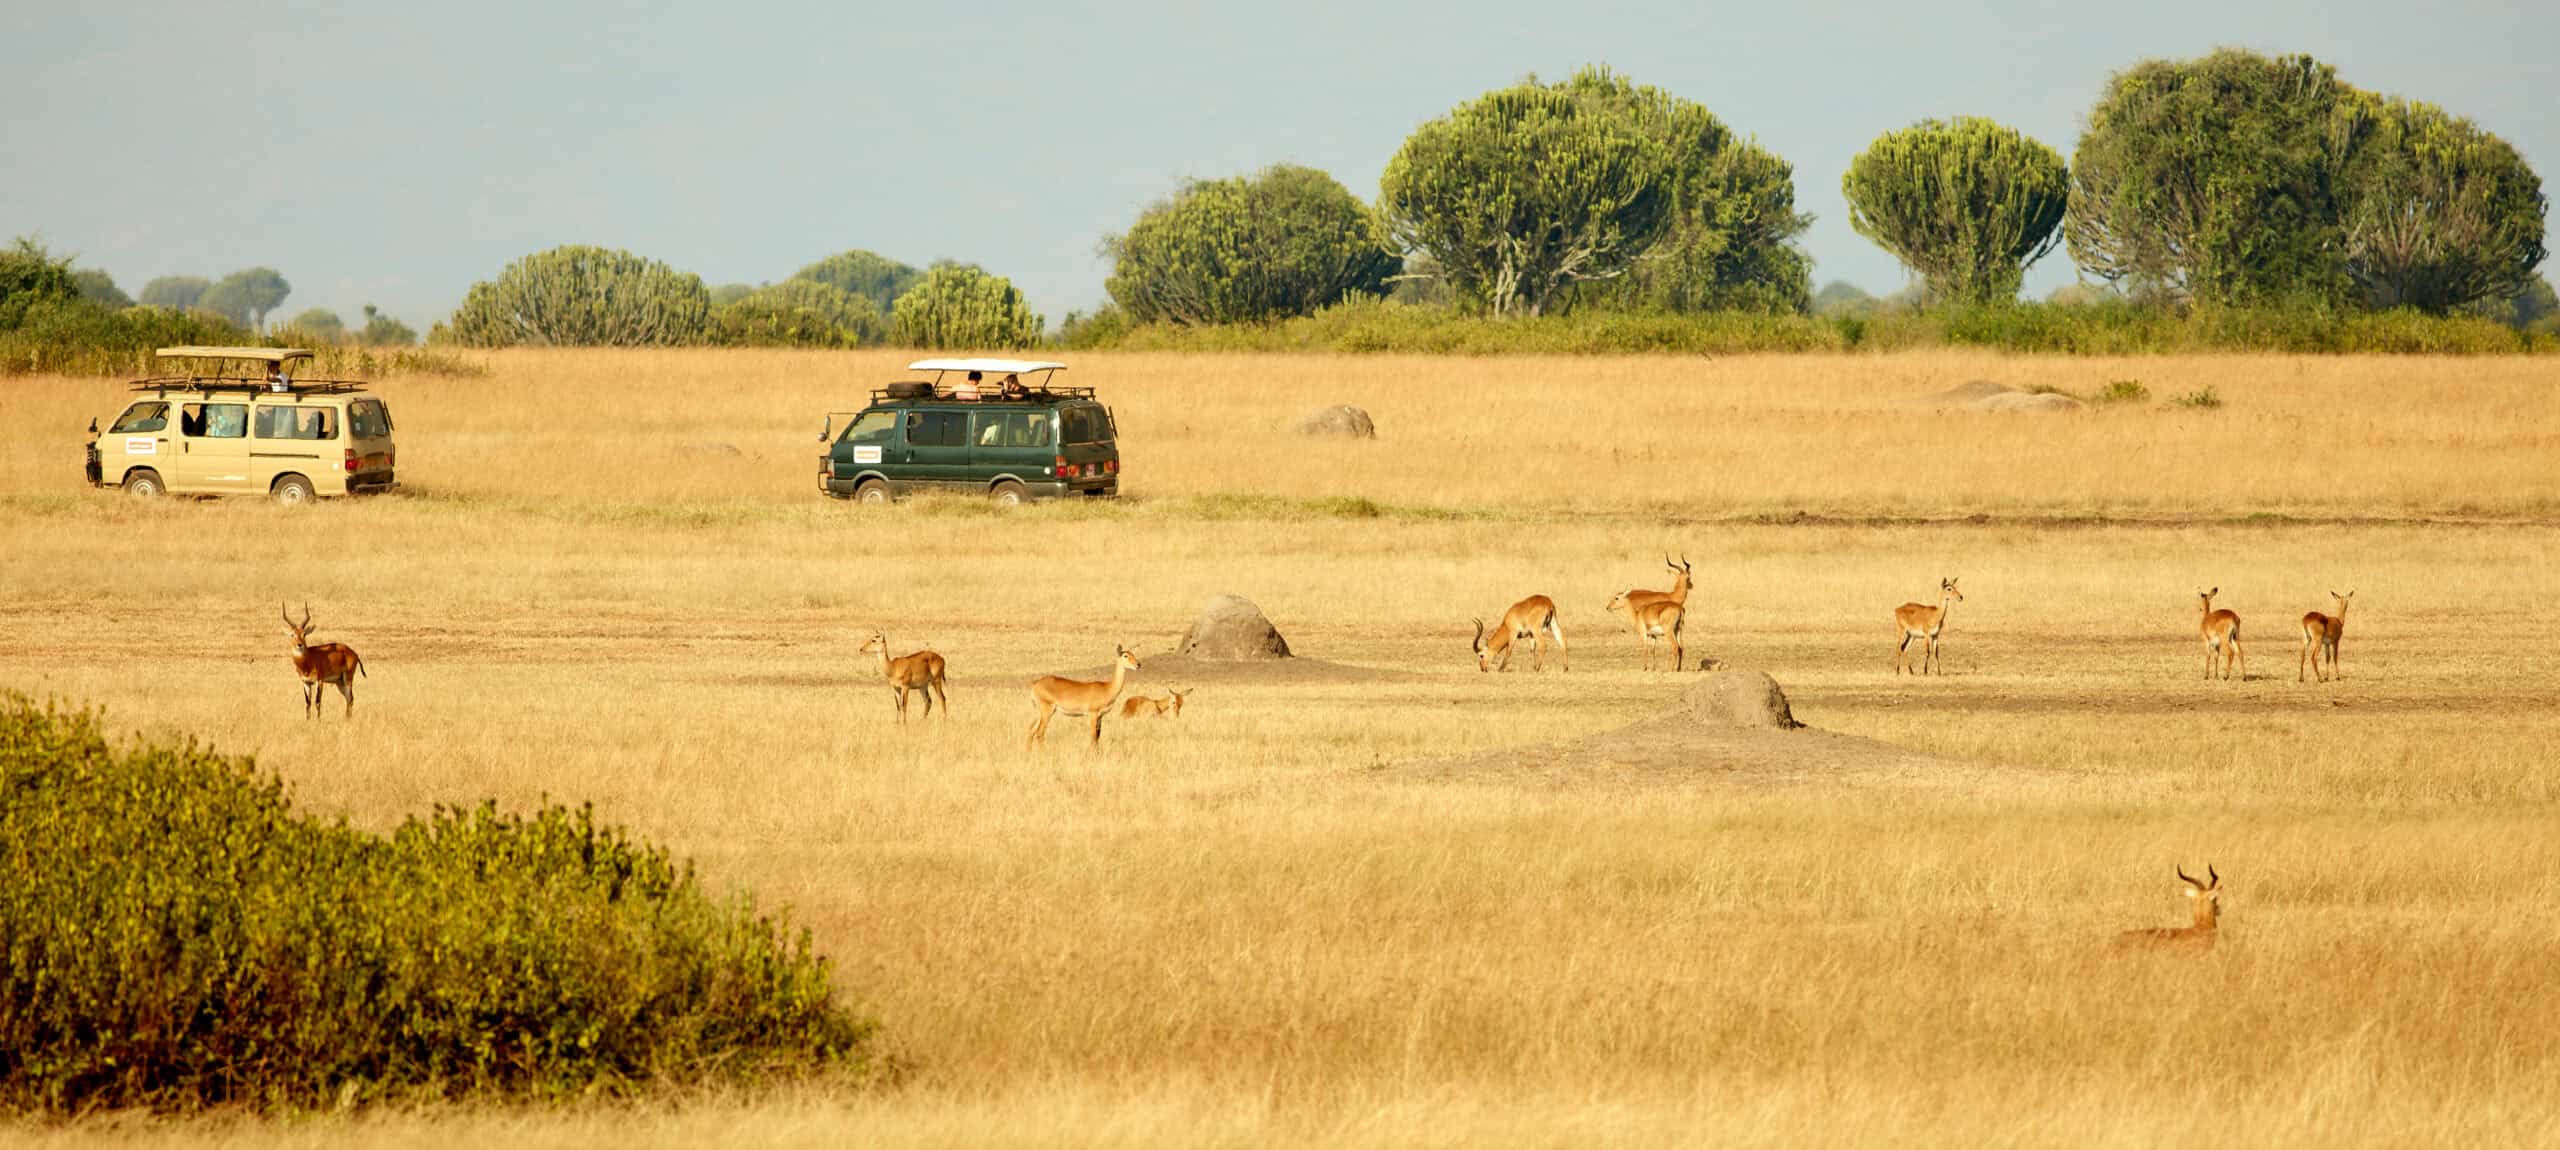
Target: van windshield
point(142, 417)
point(871, 427)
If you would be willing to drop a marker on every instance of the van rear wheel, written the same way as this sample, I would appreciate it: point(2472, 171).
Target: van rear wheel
point(871, 491)
point(144, 483)
point(294, 491)
point(1007, 493)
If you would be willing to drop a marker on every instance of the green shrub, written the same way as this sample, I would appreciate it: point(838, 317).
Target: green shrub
point(580, 296)
point(2203, 399)
point(1284, 241)
point(800, 313)
point(962, 306)
point(2122, 391)
point(174, 935)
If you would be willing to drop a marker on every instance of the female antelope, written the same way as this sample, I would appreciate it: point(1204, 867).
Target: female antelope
point(321, 665)
point(1925, 623)
point(1147, 707)
point(1655, 622)
point(2321, 633)
point(1078, 698)
point(2221, 631)
point(920, 672)
point(1527, 619)
point(2208, 900)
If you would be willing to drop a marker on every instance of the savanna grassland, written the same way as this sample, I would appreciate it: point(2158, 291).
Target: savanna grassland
point(1272, 920)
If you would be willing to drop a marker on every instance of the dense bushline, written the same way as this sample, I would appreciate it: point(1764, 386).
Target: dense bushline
point(2108, 328)
point(174, 935)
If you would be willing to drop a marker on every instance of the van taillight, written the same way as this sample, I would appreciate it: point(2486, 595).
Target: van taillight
point(1111, 466)
point(351, 459)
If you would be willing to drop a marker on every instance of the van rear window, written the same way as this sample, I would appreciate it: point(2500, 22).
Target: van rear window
point(369, 419)
point(1085, 425)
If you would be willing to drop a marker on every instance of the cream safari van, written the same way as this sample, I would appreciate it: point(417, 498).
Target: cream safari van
point(245, 426)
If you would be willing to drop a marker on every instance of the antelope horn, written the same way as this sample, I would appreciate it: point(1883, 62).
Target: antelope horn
point(306, 613)
point(2185, 878)
point(284, 613)
point(2216, 884)
point(1479, 632)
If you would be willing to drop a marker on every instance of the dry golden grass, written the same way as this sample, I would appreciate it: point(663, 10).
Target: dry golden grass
point(1256, 924)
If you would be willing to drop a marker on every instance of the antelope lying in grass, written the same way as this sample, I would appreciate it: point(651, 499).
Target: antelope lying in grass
point(1078, 698)
point(2221, 631)
point(321, 665)
point(2208, 900)
point(1533, 619)
point(1925, 623)
point(1146, 707)
point(920, 672)
point(1656, 622)
point(2321, 633)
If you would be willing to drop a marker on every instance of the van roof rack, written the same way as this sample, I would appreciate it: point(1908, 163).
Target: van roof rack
point(986, 394)
point(168, 383)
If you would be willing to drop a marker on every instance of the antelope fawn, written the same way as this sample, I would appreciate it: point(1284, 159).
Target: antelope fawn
point(1146, 707)
point(1925, 623)
point(1656, 622)
point(2208, 899)
point(1525, 620)
point(2321, 633)
point(321, 665)
point(920, 672)
point(1077, 698)
point(2221, 631)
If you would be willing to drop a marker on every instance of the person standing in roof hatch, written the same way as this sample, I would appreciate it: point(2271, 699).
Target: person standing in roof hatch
point(968, 389)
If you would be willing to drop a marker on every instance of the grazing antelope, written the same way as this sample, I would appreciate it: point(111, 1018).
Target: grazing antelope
point(1655, 622)
point(1525, 620)
point(1077, 698)
point(1145, 707)
point(920, 672)
point(1925, 623)
point(2321, 633)
point(2208, 898)
point(2221, 631)
point(322, 664)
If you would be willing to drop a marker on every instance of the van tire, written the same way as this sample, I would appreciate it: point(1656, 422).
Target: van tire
point(293, 491)
point(871, 491)
point(1006, 493)
point(144, 483)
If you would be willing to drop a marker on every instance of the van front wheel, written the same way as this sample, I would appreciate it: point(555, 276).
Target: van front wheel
point(1007, 493)
point(143, 483)
point(293, 491)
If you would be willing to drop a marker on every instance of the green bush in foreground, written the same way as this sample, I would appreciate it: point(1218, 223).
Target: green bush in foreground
point(173, 935)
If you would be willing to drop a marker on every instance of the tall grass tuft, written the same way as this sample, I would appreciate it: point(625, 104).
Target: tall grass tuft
point(177, 936)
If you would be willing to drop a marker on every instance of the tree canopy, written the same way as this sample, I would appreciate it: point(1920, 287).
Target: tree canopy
point(176, 293)
point(581, 296)
point(961, 306)
point(801, 313)
point(2438, 213)
point(246, 296)
point(99, 288)
point(872, 276)
point(1283, 242)
point(1967, 204)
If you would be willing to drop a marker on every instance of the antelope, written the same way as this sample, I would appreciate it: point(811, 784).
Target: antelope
point(2321, 633)
point(920, 672)
point(322, 665)
point(1525, 620)
point(1145, 707)
point(1679, 592)
point(1925, 623)
point(1078, 698)
point(2208, 898)
point(1655, 622)
point(2221, 631)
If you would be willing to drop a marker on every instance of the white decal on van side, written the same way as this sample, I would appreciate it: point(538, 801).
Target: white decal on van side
point(866, 455)
point(141, 446)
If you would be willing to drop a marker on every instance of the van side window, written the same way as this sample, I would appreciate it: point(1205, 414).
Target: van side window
point(297, 423)
point(141, 417)
point(214, 420)
point(1013, 429)
point(937, 429)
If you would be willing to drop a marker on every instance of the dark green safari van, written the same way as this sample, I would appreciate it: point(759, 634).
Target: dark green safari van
point(993, 426)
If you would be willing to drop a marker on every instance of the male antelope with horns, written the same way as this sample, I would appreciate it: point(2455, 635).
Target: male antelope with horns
point(321, 665)
point(2208, 900)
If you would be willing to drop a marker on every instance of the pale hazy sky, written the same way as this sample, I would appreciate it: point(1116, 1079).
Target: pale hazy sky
point(395, 153)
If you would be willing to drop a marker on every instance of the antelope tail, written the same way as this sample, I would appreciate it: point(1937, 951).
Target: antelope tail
point(360, 667)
